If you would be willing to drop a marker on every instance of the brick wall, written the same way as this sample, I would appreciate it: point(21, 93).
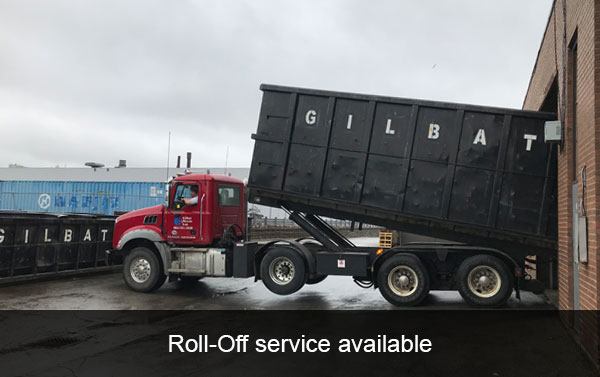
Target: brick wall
point(581, 20)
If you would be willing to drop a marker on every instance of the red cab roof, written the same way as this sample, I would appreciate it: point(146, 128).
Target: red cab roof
point(208, 177)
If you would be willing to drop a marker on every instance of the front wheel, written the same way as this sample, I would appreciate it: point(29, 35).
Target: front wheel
point(484, 281)
point(283, 271)
point(142, 270)
point(403, 280)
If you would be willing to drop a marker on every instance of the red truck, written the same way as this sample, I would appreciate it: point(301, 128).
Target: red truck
point(179, 240)
point(481, 177)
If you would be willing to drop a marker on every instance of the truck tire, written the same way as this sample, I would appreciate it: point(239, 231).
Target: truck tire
point(484, 281)
point(403, 280)
point(316, 280)
point(142, 270)
point(283, 270)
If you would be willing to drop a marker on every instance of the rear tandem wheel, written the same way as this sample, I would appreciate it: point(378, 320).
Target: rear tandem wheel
point(403, 280)
point(484, 281)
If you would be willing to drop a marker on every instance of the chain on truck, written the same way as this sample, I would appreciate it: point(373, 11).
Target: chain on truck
point(478, 176)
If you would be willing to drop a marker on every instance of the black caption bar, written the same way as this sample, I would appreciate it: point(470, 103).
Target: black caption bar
point(288, 343)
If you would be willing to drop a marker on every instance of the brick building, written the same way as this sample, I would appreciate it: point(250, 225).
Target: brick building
point(565, 80)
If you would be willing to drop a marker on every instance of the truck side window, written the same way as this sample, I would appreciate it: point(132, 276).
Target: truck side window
point(229, 196)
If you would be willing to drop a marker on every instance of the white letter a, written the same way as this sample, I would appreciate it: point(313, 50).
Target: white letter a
point(480, 138)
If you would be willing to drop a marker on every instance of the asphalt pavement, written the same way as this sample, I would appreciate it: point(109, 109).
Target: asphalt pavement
point(108, 291)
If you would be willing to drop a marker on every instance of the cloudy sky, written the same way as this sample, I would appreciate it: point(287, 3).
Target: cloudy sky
point(107, 80)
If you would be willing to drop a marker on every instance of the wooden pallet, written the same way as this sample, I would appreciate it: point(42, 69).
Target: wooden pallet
point(385, 239)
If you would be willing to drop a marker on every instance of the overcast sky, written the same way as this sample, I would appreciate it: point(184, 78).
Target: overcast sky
point(107, 80)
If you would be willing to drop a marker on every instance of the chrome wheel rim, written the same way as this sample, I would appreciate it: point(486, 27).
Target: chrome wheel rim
point(403, 281)
point(282, 270)
point(140, 270)
point(484, 281)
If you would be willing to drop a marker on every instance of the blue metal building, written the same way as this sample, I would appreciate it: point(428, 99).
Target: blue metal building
point(79, 197)
point(99, 191)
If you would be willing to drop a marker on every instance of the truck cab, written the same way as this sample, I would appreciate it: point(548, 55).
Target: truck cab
point(219, 206)
point(190, 236)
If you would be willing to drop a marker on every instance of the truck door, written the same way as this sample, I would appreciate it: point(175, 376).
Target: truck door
point(182, 222)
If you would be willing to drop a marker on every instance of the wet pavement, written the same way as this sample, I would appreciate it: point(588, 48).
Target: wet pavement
point(108, 291)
